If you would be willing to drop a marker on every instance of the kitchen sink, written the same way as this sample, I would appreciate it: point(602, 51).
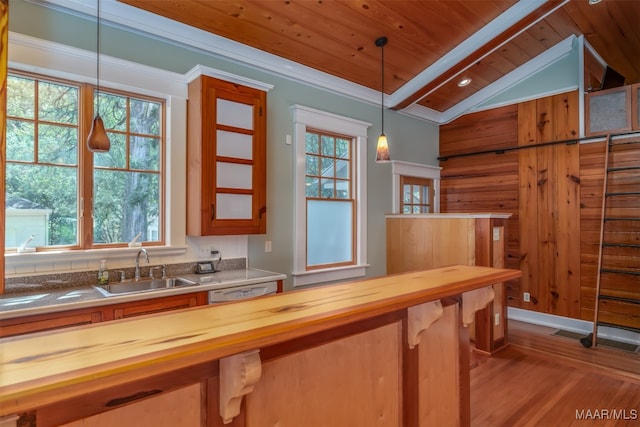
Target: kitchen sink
point(142, 285)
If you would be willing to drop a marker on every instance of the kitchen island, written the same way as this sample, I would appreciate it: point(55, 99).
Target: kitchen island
point(387, 351)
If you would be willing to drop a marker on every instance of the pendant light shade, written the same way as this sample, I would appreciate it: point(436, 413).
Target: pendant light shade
point(98, 140)
point(382, 148)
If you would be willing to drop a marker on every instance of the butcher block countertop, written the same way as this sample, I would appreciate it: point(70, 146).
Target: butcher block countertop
point(46, 368)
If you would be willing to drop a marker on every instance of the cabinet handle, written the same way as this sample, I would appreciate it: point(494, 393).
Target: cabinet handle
point(213, 211)
point(262, 211)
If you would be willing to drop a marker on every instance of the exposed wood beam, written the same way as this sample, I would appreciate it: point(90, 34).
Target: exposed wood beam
point(495, 43)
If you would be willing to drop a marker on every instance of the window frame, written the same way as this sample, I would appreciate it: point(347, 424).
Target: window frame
point(419, 182)
point(308, 118)
point(85, 165)
point(350, 180)
point(31, 55)
point(401, 168)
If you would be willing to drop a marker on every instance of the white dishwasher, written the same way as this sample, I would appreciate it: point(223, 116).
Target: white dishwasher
point(242, 292)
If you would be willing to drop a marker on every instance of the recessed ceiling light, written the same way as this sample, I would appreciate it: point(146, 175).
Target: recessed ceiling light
point(592, 2)
point(464, 82)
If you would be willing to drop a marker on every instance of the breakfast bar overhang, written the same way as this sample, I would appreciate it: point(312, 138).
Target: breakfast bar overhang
point(386, 351)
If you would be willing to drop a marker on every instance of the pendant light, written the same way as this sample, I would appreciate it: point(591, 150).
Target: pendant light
point(382, 148)
point(98, 140)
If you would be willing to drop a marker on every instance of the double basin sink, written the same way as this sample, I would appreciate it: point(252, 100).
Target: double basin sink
point(143, 285)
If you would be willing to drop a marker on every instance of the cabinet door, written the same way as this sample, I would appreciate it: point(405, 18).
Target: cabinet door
point(158, 305)
point(229, 159)
point(48, 322)
point(608, 111)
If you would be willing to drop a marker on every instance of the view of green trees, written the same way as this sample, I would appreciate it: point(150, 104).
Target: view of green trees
point(44, 148)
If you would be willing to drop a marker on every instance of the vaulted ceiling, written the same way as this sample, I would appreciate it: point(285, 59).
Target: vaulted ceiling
point(432, 45)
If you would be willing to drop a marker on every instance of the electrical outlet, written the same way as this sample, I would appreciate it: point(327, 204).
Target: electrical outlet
point(203, 252)
point(526, 297)
point(267, 246)
point(496, 319)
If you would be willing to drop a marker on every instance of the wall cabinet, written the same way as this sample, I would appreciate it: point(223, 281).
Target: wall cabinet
point(427, 241)
point(608, 111)
point(85, 316)
point(614, 110)
point(226, 158)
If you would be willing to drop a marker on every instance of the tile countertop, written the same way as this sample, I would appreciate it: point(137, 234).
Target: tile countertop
point(53, 300)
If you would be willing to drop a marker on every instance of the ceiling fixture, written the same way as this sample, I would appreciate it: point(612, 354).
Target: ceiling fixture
point(98, 140)
point(592, 2)
point(464, 82)
point(382, 148)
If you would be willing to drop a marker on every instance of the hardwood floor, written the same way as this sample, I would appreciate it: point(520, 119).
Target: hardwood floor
point(551, 381)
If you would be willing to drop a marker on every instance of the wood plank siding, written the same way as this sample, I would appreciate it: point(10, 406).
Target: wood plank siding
point(554, 192)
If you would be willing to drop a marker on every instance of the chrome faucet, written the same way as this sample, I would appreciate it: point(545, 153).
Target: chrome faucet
point(146, 255)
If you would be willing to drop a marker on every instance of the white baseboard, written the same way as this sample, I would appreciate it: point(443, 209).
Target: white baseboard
point(572, 325)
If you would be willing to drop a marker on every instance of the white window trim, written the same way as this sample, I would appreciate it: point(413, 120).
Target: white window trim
point(304, 117)
point(399, 168)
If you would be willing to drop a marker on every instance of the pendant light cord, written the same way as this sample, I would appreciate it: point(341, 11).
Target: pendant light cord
point(382, 91)
point(380, 42)
point(98, 60)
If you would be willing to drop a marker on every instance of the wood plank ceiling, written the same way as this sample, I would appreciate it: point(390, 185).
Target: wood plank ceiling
point(432, 45)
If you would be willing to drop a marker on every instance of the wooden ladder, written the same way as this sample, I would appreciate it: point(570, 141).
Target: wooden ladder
point(617, 301)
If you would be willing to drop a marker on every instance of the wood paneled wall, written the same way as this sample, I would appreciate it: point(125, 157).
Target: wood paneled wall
point(549, 208)
point(592, 157)
point(486, 182)
point(553, 191)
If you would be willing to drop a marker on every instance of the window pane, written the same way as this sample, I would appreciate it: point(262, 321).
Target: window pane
point(20, 137)
point(406, 209)
point(342, 148)
point(342, 169)
point(328, 146)
point(312, 187)
point(116, 157)
point(58, 144)
point(145, 153)
point(41, 200)
point(342, 189)
point(312, 165)
point(20, 97)
point(329, 235)
point(145, 117)
point(416, 193)
point(113, 110)
point(312, 145)
point(327, 166)
point(57, 103)
point(125, 204)
point(327, 188)
point(406, 193)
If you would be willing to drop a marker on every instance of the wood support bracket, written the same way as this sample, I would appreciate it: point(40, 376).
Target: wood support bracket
point(238, 375)
point(420, 317)
point(473, 301)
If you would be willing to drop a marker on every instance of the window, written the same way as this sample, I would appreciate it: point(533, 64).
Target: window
point(59, 194)
point(417, 195)
point(330, 197)
point(330, 203)
point(416, 188)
